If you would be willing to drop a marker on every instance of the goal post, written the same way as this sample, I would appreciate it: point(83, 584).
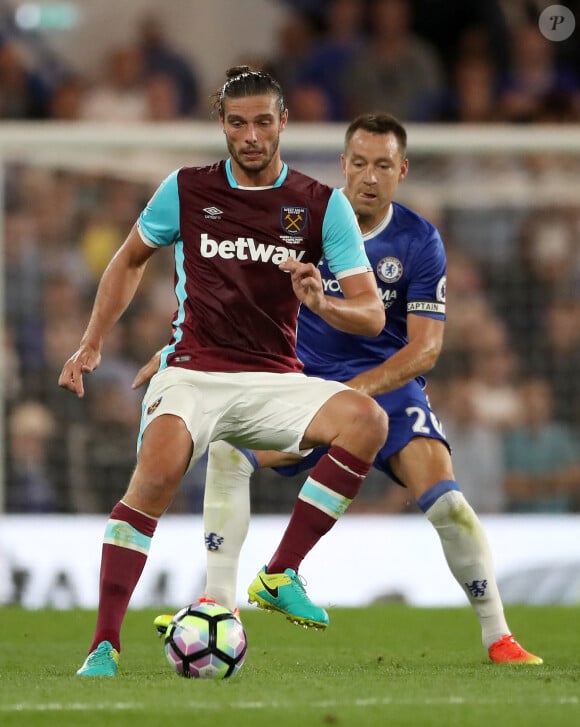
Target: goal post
point(480, 139)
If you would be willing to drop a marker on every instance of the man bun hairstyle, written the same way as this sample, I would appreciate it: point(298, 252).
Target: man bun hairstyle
point(243, 81)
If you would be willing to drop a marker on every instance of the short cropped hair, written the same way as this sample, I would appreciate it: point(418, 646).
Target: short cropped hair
point(378, 123)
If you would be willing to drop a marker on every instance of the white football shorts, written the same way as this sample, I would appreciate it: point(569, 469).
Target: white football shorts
point(250, 408)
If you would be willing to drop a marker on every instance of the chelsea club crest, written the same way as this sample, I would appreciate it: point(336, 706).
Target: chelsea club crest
point(390, 269)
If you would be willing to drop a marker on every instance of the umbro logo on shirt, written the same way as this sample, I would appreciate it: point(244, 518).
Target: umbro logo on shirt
point(212, 213)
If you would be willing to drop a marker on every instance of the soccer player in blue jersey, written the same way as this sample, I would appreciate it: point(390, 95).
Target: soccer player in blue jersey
point(247, 235)
point(408, 259)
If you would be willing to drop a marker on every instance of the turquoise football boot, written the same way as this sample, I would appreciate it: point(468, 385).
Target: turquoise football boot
point(102, 662)
point(284, 592)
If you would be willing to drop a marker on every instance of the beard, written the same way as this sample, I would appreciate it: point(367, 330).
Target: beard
point(257, 166)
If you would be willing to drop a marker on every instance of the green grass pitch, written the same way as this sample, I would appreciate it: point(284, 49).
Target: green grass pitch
point(383, 665)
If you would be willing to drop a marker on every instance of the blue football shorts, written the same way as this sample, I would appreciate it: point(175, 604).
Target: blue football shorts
point(410, 416)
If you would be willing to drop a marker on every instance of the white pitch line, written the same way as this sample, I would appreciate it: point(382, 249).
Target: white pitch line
point(70, 707)
point(208, 706)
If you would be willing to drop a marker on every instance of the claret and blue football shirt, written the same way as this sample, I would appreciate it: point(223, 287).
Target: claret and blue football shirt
point(236, 311)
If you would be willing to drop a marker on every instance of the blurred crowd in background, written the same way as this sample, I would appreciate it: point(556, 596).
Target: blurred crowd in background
point(506, 386)
point(425, 60)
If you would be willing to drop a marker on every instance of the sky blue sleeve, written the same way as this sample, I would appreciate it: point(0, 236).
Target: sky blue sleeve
point(159, 222)
point(342, 241)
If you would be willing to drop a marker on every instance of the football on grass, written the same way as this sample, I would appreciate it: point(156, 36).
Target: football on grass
point(205, 641)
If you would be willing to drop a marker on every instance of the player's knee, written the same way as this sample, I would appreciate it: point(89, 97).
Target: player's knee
point(223, 456)
point(460, 511)
point(149, 494)
point(379, 424)
point(156, 479)
point(222, 452)
point(371, 422)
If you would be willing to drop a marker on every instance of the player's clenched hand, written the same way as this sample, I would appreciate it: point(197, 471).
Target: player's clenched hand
point(147, 371)
point(306, 282)
point(85, 360)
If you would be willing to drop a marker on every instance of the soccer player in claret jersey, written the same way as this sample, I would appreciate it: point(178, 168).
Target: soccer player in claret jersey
point(247, 235)
point(408, 259)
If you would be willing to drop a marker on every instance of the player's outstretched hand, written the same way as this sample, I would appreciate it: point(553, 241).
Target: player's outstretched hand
point(147, 371)
point(85, 360)
point(306, 283)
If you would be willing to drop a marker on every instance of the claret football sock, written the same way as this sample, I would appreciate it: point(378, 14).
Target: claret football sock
point(324, 497)
point(125, 548)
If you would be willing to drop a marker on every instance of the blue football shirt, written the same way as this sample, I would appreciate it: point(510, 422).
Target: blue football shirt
point(407, 256)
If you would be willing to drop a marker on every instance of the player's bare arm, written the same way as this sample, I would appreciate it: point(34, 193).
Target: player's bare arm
point(417, 357)
point(116, 290)
point(360, 311)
